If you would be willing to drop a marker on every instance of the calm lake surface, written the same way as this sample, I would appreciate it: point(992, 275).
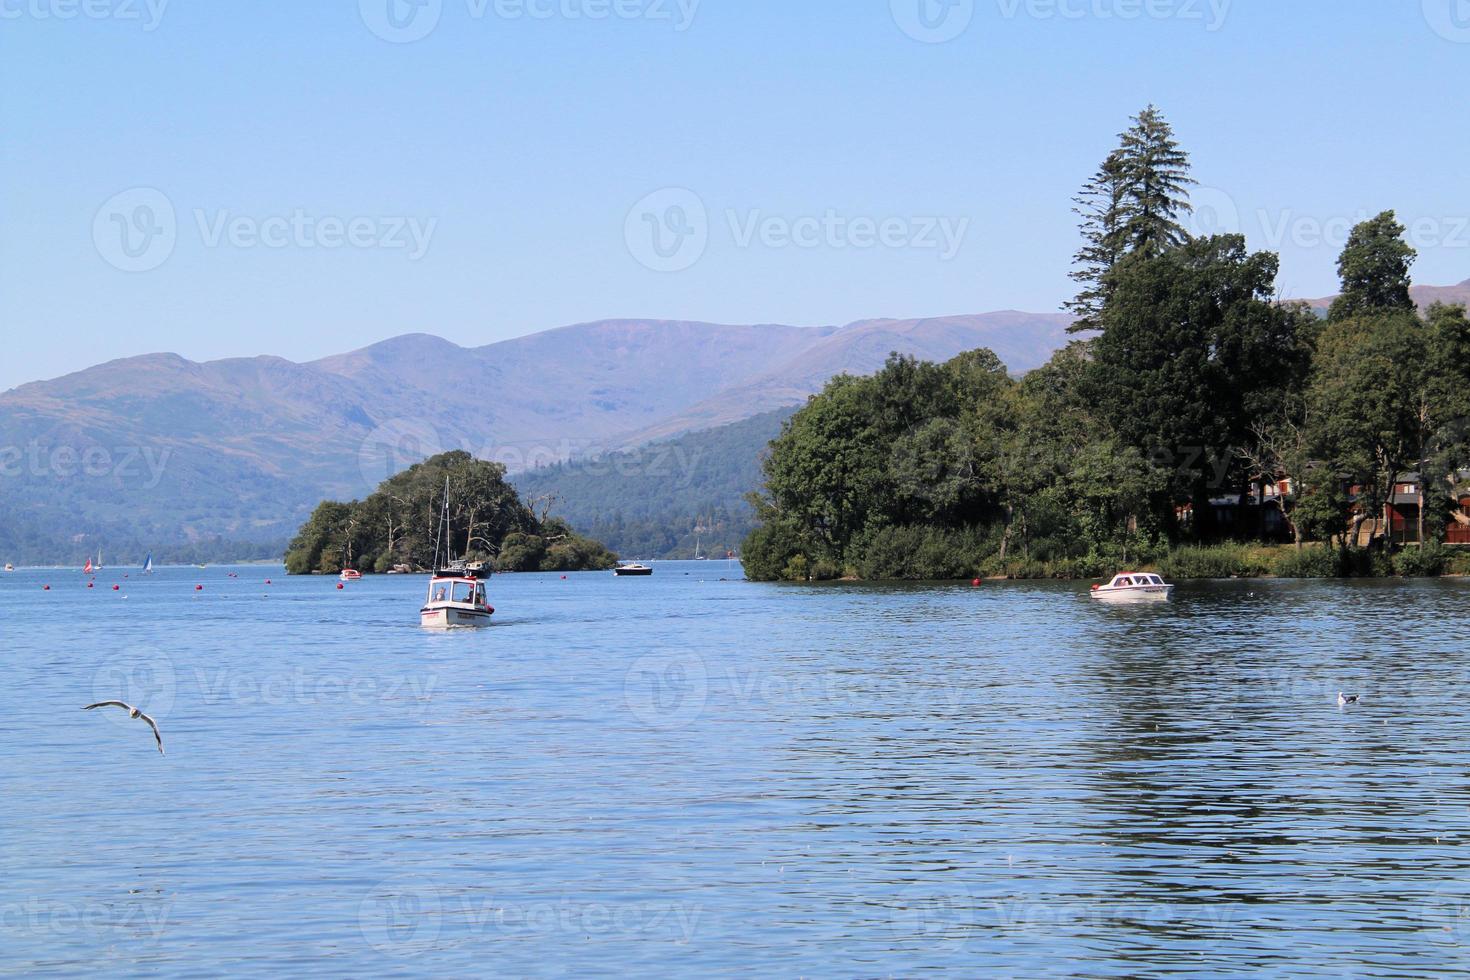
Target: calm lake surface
point(693, 776)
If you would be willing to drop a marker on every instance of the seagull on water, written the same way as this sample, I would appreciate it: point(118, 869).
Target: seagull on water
point(1345, 699)
point(132, 713)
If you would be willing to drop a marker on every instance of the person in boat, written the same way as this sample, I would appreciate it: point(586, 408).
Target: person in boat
point(439, 595)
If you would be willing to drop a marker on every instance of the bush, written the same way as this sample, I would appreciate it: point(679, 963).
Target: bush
point(1428, 561)
point(1323, 562)
point(922, 553)
point(1217, 561)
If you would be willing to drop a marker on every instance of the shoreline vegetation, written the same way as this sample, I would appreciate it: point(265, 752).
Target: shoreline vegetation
point(1198, 426)
point(397, 526)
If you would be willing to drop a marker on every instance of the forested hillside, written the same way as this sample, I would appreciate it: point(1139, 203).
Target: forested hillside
point(649, 503)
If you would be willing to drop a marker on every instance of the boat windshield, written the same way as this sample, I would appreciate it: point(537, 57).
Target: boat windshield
point(464, 592)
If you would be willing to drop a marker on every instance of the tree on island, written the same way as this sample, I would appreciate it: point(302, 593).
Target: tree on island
point(398, 525)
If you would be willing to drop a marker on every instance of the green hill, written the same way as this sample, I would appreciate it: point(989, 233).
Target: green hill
point(647, 503)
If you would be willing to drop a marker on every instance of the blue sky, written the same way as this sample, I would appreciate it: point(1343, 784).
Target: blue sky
point(222, 177)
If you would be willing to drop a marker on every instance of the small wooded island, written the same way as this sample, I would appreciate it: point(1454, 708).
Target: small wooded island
point(1201, 424)
point(397, 524)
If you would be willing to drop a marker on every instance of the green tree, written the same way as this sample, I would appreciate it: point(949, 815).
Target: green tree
point(1374, 268)
point(1193, 352)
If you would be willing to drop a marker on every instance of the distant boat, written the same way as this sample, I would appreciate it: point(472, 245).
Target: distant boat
point(631, 570)
point(87, 568)
point(148, 564)
point(350, 575)
point(9, 567)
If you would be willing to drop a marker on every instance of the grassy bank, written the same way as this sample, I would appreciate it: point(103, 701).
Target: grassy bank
point(1264, 561)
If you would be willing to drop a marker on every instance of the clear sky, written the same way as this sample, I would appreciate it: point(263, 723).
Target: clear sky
point(233, 177)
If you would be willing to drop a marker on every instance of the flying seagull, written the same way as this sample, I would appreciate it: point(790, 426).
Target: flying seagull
point(132, 713)
point(1343, 699)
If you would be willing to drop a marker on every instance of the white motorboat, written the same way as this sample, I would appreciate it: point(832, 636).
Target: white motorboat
point(456, 595)
point(1134, 587)
point(455, 600)
point(350, 575)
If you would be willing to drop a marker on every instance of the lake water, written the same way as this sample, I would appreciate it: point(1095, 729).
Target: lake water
point(684, 775)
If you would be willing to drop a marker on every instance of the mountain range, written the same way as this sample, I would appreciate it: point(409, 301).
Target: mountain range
point(227, 457)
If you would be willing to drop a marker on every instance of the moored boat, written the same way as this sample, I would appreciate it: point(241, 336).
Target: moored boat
point(1133, 587)
point(350, 575)
point(632, 569)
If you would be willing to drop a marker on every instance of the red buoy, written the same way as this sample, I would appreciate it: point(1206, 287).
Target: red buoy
point(976, 583)
point(339, 586)
point(89, 585)
point(267, 581)
point(114, 588)
point(45, 588)
point(198, 588)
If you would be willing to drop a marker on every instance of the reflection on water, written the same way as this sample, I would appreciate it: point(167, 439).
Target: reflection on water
point(682, 774)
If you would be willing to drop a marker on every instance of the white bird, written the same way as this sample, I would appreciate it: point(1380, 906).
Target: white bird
point(132, 713)
point(1343, 699)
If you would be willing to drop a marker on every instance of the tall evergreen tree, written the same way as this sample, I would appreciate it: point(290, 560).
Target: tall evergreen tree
point(1157, 172)
point(1131, 206)
point(1375, 270)
point(1100, 205)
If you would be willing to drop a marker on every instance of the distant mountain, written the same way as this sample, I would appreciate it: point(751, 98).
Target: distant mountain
point(666, 499)
point(157, 452)
point(1425, 296)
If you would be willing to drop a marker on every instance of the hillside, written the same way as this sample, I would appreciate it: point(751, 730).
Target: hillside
point(161, 453)
point(647, 503)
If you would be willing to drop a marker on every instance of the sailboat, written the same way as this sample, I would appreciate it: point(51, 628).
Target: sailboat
point(87, 568)
point(456, 595)
point(148, 564)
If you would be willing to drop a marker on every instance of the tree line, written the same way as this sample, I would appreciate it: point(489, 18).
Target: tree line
point(399, 525)
point(1189, 383)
